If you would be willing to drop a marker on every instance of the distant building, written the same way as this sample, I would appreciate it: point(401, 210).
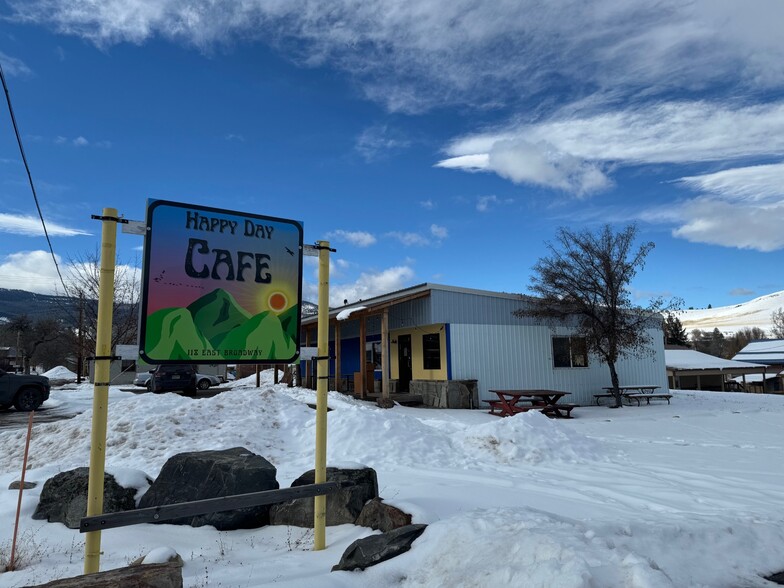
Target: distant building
point(768, 352)
point(688, 369)
point(452, 345)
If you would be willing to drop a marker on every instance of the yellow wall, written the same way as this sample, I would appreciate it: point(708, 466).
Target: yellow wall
point(417, 360)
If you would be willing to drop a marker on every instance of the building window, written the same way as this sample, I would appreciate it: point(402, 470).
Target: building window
point(431, 351)
point(373, 353)
point(570, 352)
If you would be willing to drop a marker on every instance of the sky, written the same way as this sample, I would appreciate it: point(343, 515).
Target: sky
point(428, 141)
point(661, 495)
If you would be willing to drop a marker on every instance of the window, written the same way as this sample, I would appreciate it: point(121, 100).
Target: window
point(570, 352)
point(431, 351)
point(373, 353)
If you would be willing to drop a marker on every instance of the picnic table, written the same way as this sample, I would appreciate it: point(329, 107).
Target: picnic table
point(635, 392)
point(511, 402)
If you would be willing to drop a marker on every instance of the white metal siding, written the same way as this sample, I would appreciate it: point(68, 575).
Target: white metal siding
point(515, 357)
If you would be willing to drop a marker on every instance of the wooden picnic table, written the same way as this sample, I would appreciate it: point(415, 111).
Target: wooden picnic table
point(635, 392)
point(511, 402)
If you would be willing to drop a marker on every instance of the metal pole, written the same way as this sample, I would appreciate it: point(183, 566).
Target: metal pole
point(92, 545)
point(320, 504)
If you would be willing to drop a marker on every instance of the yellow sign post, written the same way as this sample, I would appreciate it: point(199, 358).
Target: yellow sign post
point(322, 372)
point(103, 358)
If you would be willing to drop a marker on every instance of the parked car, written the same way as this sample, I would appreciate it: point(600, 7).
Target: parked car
point(23, 391)
point(203, 381)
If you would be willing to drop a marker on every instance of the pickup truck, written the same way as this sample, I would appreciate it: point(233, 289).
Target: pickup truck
point(22, 391)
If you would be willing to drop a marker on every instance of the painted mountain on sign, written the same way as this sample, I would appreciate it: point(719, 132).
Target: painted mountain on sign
point(215, 327)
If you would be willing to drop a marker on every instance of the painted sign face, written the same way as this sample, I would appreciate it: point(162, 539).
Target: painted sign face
point(219, 286)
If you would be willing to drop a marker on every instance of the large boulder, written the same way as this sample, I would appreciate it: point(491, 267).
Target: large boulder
point(161, 575)
point(372, 550)
point(64, 497)
point(210, 474)
point(343, 506)
point(380, 516)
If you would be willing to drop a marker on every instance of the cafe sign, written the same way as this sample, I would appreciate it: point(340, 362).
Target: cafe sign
point(219, 286)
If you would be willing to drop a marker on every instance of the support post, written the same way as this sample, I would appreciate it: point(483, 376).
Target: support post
point(363, 383)
point(103, 352)
point(322, 373)
point(338, 380)
point(385, 354)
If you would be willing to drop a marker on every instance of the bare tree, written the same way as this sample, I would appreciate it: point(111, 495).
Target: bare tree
point(740, 339)
point(32, 335)
point(586, 278)
point(777, 318)
point(82, 287)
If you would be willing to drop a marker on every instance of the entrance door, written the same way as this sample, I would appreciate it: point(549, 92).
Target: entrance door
point(403, 362)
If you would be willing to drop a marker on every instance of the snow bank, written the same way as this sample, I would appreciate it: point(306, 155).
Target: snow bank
point(60, 373)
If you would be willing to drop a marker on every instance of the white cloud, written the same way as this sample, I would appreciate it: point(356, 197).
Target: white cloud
point(234, 137)
point(409, 239)
point(483, 203)
point(377, 141)
point(368, 285)
point(572, 151)
point(80, 142)
point(415, 55)
point(439, 232)
point(741, 292)
point(739, 207)
point(357, 238)
point(14, 66)
point(31, 226)
point(427, 204)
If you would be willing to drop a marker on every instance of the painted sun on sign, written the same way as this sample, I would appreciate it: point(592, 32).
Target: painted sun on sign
point(220, 286)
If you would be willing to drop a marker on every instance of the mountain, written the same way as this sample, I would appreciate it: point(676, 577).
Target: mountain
point(729, 319)
point(16, 302)
point(216, 314)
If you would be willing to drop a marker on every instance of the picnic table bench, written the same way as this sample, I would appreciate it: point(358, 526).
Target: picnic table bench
point(636, 392)
point(511, 402)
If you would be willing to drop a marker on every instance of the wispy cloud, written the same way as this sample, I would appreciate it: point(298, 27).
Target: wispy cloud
point(367, 285)
point(31, 226)
point(14, 66)
point(439, 232)
point(739, 207)
point(741, 292)
point(80, 142)
point(435, 52)
point(357, 238)
point(427, 204)
point(409, 239)
point(234, 137)
point(378, 141)
point(573, 152)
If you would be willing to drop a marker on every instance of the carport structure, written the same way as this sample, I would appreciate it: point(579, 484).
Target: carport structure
point(692, 370)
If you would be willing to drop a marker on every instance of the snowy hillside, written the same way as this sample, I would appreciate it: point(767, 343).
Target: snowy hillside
point(729, 319)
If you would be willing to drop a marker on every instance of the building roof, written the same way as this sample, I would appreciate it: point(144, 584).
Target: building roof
point(378, 302)
point(689, 359)
point(765, 351)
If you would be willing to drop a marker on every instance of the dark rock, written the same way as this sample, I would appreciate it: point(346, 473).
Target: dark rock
point(210, 474)
point(64, 497)
point(382, 517)
point(385, 402)
point(372, 550)
point(164, 575)
point(343, 506)
point(27, 485)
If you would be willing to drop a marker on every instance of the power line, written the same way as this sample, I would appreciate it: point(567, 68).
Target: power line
point(29, 175)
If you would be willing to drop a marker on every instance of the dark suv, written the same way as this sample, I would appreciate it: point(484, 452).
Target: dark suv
point(166, 378)
point(26, 392)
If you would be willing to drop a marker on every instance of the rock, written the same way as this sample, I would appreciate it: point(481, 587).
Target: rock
point(343, 506)
point(385, 402)
point(16, 483)
point(64, 497)
point(210, 474)
point(382, 517)
point(372, 550)
point(163, 575)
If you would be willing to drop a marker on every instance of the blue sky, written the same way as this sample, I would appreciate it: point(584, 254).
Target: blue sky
point(427, 140)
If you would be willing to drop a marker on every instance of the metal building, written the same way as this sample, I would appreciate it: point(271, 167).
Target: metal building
point(451, 345)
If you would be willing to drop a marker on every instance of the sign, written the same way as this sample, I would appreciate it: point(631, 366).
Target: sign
point(307, 353)
point(219, 286)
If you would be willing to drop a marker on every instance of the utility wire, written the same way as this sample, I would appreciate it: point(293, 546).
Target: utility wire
point(30, 176)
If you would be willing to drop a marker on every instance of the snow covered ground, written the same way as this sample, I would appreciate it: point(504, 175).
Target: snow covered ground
point(685, 495)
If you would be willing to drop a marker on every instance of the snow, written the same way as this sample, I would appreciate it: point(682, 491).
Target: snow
point(687, 494)
point(689, 359)
point(730, 319)
point(60, 373)
point(347, 312)
point(768, 351)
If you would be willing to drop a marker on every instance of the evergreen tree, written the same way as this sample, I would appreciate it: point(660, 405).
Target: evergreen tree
point(674, 333)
